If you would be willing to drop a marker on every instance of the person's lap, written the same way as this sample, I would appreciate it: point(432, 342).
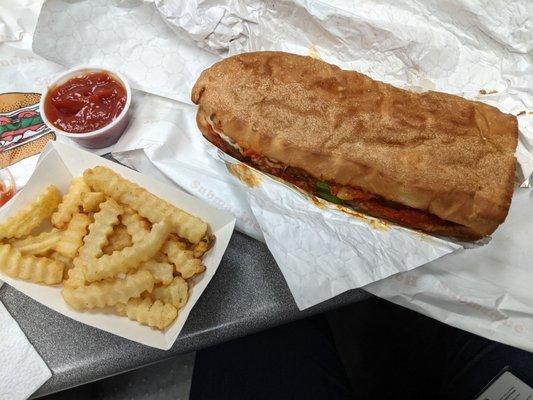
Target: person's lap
point(391, 352)
point(293, 361)
point(371, 350)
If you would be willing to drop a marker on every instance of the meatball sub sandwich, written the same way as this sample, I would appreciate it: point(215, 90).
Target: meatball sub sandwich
point(429, 161)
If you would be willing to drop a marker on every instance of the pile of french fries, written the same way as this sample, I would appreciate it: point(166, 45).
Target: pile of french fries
point(111, 243)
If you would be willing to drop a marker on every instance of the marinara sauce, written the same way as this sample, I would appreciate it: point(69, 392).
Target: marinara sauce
point(85, 103)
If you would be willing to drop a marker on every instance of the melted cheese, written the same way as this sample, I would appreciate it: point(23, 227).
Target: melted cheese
point(235, 145)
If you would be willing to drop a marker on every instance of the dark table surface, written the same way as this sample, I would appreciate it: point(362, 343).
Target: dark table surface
point(247, 294)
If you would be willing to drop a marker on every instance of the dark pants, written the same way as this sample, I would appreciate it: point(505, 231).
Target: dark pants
point(370, 350)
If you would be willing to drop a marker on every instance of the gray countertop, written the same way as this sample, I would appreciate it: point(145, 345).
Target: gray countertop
point(247, 294)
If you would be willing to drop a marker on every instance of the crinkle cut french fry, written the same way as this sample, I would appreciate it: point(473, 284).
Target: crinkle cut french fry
point(200, 248)
point(67, 262)
point(163, 272)
point(90, 201)
point(23, 222)
point(176, 293)
point(29, 268)
point(135, 225)
point(184, 261)
point(119, 239)
point(37, 245)
point(145, 203)
point(72, 237)
point(162, 258)
point(94, 242)
point(155, 314)
point(99, 231)
point(128, 258)
point(71, 202)
point(75, 277)
point(109, 292)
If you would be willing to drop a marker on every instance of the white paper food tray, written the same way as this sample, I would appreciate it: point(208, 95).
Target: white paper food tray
point(58, 164)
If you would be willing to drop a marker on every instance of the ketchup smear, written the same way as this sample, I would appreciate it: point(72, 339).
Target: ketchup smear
point(85, 103)
point(6, 193)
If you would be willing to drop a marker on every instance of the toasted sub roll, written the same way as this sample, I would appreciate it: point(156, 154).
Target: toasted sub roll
point(430, 161)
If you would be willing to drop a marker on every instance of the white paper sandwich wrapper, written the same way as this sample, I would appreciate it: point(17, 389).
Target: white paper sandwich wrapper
point(57, 165)
point(129, 37)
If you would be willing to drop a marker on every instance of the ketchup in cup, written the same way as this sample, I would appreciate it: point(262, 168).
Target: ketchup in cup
point(88, 105)
point(85, 103)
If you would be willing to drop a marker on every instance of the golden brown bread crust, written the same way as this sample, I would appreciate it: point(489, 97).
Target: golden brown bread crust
point(432, 151)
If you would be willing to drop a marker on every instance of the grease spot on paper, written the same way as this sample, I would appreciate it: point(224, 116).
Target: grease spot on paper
point(490, 91)
point(244, 174)
point(374, 223)
point(315, 200)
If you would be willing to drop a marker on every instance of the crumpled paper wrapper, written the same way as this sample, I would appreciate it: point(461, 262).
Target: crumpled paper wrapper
point(478, 52)
point(126, 36)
